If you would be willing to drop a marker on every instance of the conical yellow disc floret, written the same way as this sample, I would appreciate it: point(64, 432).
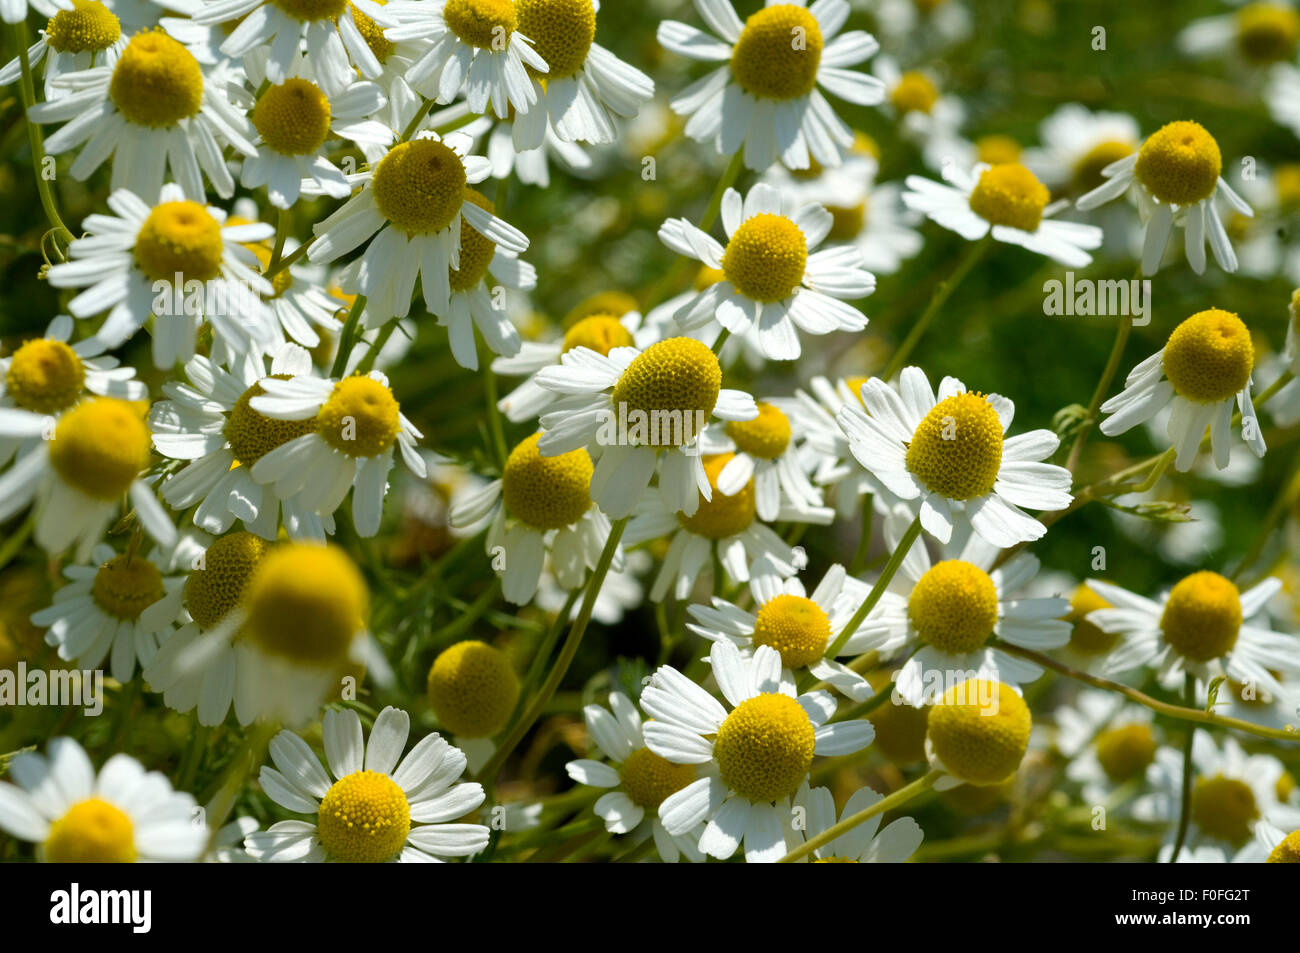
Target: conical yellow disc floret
point(179, 238)
point(956, 450)
point(91, 832)
point(87, 28)
point(1224, 808)
point(420, 186)
point(765, 437)
point(473, 689)
point(679, 376)
point(547, 492)
point(45, 376)
point(306, 603)
point(778, 53)
point(766, 257)
point(1209, 357)
point(1202, 618)
point(914, 92)
point(795, 626)
point(364, 819)
point(157, 81)
point(1180, 163)
point(293, 118)
point(1087, 170)
point(1087, 637)
point(1287, 851)
point(954, 606)
point(361, 417)
point(599, 332)
point(100, 446)
point(125, 586)
point(562, 32)
point(373, 34)
point(486, 24)
point(765, 747)
point(1124, 752)
point(252, 435)
point(979, 730)
point(1268, 32)
point(1011, 195)
point(476, 250)
point(723, 515)
point(649, 779)
point(216, 588)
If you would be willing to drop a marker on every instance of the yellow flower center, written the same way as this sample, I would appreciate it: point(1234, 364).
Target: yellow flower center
point(954, 606)
point(765, 747)
point(252, 435)
point(294, 118)
point(473, 689)
point(1285, 786)
point(1287, 851)
point(487, 24)
point(283, 279)
point(364, 819)
point(309, 10)
point(854, 384)
point(679, 376)
point(156, 82)
point(361, 417)
point(1087, 170)
point(1267, 32)
point(216, 588)
point(100, 447)
point(91, 832)
point(547, 492)
point(87, 28)
point(1224, 808)
point(1011, 195)
point(796, 627)
point(765, 437)
point(1086, 637)
point(979, 730)
point(420, 186)
point(1286, 179)
point(1209, 357)
point(45, 376)
point(766, 257)
point(846, 221)
point(707, 277)
point(562, 32)
point(373, 34)
point(1202, 617)
point(179, 238)
point(125, 586)
point(1180, 163)
point(600, 333)
point(778, 53)
point(722, 516)
point(648, 779)
point(476, 251)
point(612, 303)
point(900, 729)
point(956, 450)
point(1125, 752)
point(305, 603)
point(997, 149)
point(914, 93)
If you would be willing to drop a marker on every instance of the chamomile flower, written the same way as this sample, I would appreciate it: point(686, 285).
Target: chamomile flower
point(129, 263)
point(352, 428)
point(1203, 372)
point(977, 733)
point(1203, 626)
point(123, 815)
point(533, 166)
point(631, 407)
point(150, 112)
point(1006, 201)
point(866, 843)
point(1175, 175)
point(298, 301)
point(773, 280)
point(78, 478)
point(926, 116)
point(541, 506)
point(373, 806)
point(638, 780)
point(46, 376)
point(209, 423)
point(410, 213)
point(1078, 143)
point(799, 626)
point(119, 603)
point(1259, 34)
point(474, 47)
point(951, 457)
point(766, 97)
point(757, 755)
point(761, 450)
point(1108, 743)
point(84, 34)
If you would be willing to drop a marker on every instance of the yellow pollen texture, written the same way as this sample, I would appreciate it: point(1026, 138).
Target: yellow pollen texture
point(679, 374)
point(1087, 170)
point(795, 626)
point(100, 446)
point(765, 437)
point(1180, 163)
point(1125, 752)
point(562, 32)
point(215, 588)
point(1224, 808)
point(765, 747)
point(306, 603)
point(486, 24)
point(1287, 851)
point(1202, 618)
point(648, 778)
point(979, 730)
point(473, 689)
point(126, 586)
point(373, 34)
point(91, 832)
point(419, 186)
point(600, 333)
point(1209, 357)
point(293, 118)
point(87, 28)
point(1010, 195)
point(252, 435)
point(179, 238)
point(364, 819)
point(766, 257)
point(1086, 637)
point(914, 93)
point(361, 417)
point(722, 516)
point(45, 376)
point(547, 492)
point(778, 53)
point(956, 450)
point(476, 251)
point(156, 82)
point(954, 606)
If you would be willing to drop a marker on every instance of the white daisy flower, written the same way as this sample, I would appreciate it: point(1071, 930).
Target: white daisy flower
point(761, 450)
point(299, 302)
point(866, 843)
point(1272, 844)
point(128, 266)
point(1203, 371)
point(541, 506)
point(757, 754)
point(638, 780)
point(368, 808)
point(1078, 143)
point(1175, 176)
point(926, 117)
point(122, 815)
point(1006, 201)
point(1257, 34)
point(533, 166)
point(16, 11)
point(1203, 626)
point(621, 593)
point(151, 112)
point(412, 205)
point(79, 475)
point(918, 24)
point(952, 457)
point(628, 407)
point(84, 34)
point(1118, 744)
point(774, 281)
point(766, 98)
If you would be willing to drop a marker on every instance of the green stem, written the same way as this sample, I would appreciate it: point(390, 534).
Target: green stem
point(37, 140)
point(1185, 808)
point(859, 561)
point(728, 179)
point(722, 339)
point(289, 259)
point(281, 234)
point(347, 336)
point(15, 542)
point(897, 799)
point(495, 427)
point(544, 649)
point(878, 590)
point(377, 345)
point(1098, 395)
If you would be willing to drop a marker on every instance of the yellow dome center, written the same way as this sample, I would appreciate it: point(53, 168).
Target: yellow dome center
point(373, 34)
point(124, 587)
point(1180, 164)
point(765, 747)
point(707, 277)
point(45, 376)
point(364, 819)
point(997, 149)
point(679, 376)
point(614, 304)
point(547, 492)
point(648, 779)
point(252, 435)
point(420, 186)
point(980, 730)
point(796, 627)
point(306, 603)
point(361, 417)
point(1202, 617)
point(766, 257)
point(1209, 357)
point(778, 53)
point(722, 516)
point(956, 450)
point(1267, 32)
point(476, 251)
point(562, 32)
point(914, 93)
point(1224, 808)
point(486, 24)
point(1125, 752)
point(216, 588)
point(600, 333)
point(847, 221)
point(1287, 851)
point(91, 832)
point(310, 10)
point(900, 729)
point(954, 606)
point(179, 238)
point(156, 82)
point(1086, 637)
point(87, 28)
point(1087, 170)
point(765, 437)
point(1010, 195)
point(100, 447)
point(293, 118)
point(473, 689)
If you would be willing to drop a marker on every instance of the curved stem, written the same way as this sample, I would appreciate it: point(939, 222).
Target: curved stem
point(1185, 809)
point(878, 590)
point(347, 337)
point(897, 799)
point(37, 140)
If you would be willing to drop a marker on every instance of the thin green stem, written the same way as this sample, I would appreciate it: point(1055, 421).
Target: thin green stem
point(1185, 806)
point(544, 649)
point(495, 426)
point(289, 259)
point(281, 234)
point(729, 176)
point(859, 561)
point(722, 339)
point(1098, 395)
point(347, 336)
point(37, 140)
point(878, 590)
point(376, 346)
point(897, 799)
